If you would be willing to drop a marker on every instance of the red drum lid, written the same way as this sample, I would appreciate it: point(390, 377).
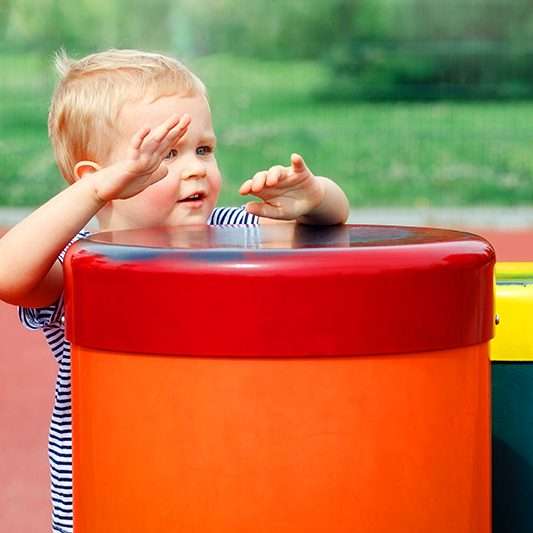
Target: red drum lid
point(279, 290)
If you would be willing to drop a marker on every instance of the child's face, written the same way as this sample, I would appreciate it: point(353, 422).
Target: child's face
point(192, 167)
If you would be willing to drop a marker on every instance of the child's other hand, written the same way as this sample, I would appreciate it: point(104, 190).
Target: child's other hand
point(144, 163)
point(287, 192)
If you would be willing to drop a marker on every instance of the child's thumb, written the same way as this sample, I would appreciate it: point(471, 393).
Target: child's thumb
point(262, 209)
point(298, 163)
point(159, 174)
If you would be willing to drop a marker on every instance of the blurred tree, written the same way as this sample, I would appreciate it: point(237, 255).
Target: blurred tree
point(143, 25)
point(275, 29)
point(88, 25)
point(420, 49)
point(375, 48)
point(4, 18)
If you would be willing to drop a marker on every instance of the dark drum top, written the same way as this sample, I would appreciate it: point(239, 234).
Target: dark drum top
point(279, 290)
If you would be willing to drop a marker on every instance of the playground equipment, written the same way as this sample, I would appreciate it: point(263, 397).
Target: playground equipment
point(238, 379)
point(512, 399)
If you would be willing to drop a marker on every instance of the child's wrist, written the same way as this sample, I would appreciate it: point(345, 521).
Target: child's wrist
point(333, 207)
point(95, 184)
point(316, 200)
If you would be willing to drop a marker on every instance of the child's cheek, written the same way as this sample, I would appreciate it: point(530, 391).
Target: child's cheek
point(162, 193)
point(216, 180)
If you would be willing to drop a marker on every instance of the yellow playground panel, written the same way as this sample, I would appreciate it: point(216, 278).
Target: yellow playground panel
point(512, 399)
point(514, 309)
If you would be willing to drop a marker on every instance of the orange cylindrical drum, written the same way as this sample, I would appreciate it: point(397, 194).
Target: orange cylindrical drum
point(240, 379)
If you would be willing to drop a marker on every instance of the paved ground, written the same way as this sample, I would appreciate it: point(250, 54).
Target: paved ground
point(27, 370)
point(470, 217)
point(27, 374)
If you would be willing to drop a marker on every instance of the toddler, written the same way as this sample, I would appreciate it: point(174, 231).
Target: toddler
point(133, 137)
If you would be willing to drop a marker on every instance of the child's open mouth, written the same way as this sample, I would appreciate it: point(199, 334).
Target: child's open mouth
point(193, 200)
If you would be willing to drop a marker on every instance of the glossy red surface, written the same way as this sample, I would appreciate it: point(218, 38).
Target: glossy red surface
point(280, 291)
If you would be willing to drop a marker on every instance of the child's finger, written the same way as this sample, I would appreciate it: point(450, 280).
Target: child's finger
point(162, 131)
point(274, 175)
point(138, 138)
point(176, 133)
point(258, 181)
point(180, 128)
point(263, 209)
point(298, 163)
point(246, 187)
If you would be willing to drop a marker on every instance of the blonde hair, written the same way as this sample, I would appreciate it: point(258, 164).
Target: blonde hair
point(91, 92)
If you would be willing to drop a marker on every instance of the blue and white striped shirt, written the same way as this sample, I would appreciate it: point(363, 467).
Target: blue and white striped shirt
point(50, 320)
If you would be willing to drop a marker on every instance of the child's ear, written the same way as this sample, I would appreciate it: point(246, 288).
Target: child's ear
point(82, 167)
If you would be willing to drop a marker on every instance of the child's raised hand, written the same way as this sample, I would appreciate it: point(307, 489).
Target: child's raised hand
point(287, 192)
point(144, 163)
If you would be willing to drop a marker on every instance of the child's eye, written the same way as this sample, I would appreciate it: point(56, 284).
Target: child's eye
point(173, 153)
point(204, 150)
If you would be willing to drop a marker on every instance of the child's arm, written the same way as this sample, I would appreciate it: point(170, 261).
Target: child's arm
point(30, 274)
point(294, 193)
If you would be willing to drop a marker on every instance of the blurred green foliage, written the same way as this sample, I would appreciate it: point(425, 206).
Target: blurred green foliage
point(375, 49)
point(274, 29)
point(381, 154)
point(423, 49)
point(294, 76)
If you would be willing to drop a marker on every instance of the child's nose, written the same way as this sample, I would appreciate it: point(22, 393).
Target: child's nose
point(194, 170)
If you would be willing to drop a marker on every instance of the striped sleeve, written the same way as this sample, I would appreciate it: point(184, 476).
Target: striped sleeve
point(232, 215)
point(81, 235)
point(34, 318)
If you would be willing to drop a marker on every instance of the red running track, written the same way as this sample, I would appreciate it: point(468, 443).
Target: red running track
point(27, 373)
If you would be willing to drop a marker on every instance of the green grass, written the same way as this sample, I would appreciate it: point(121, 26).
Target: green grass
point(381, 154)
